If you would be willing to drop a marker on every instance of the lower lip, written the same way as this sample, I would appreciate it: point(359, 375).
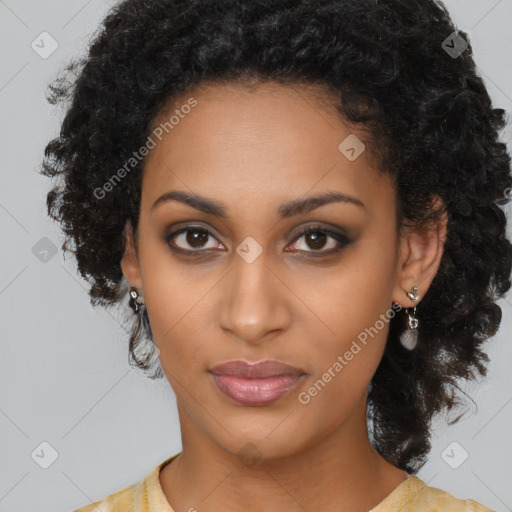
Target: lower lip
point(256, 391)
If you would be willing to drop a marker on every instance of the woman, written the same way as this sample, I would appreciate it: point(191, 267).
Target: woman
point(300, 200)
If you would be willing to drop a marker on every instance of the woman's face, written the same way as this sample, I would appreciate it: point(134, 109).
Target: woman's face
point(243, 284)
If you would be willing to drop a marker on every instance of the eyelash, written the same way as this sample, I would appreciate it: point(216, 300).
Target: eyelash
point(341, 239)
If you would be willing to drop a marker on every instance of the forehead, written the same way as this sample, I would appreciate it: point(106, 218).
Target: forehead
point(257, 144)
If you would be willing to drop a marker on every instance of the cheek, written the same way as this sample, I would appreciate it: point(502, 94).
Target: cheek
point(348, 335)
point(180, 313)
point(341, 373)
point(175, 298)
point(350, 298)
point(180, 334)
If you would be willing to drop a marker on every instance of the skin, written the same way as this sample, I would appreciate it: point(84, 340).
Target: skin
point(253, 149)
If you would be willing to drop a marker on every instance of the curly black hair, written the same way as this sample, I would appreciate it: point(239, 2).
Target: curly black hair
point(399, 69)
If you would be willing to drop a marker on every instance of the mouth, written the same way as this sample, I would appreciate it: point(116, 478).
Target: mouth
point(256, 384)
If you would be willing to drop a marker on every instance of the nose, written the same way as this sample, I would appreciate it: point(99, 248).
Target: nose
point(255, 305)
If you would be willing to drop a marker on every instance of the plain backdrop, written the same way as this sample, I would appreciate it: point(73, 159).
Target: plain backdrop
point(68, 398)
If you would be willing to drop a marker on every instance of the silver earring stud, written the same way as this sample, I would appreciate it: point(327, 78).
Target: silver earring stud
point(413, 294)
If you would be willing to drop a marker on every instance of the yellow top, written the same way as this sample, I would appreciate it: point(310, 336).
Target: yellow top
point(412, 495)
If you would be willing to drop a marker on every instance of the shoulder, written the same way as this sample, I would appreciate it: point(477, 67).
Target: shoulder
point(142, 496)
point(415, 495)
point(121, 500)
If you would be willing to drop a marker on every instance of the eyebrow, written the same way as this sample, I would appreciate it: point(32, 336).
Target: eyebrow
point(285, 210)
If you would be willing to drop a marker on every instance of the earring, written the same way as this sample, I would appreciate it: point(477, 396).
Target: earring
point(134, 303)
point(413, 294)
point(409, 337)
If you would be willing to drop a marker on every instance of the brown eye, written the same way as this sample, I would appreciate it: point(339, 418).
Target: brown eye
point(190, 238)
point(196, 238)
point(322, 241)
point(316, 240)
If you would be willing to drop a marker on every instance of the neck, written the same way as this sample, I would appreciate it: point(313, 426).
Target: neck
point(341, 471)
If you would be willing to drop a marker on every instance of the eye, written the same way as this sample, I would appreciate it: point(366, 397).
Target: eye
point(194, 237)
point(317, 239)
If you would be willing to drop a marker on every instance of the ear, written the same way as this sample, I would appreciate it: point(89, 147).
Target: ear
point(129, 261)
point(420, 257)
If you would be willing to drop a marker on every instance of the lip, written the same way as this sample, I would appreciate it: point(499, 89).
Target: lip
point(256, 384)
point(260, 369)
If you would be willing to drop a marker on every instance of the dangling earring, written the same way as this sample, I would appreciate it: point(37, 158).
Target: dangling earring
point(409, 337)
point(143, 323)
point(134, 303)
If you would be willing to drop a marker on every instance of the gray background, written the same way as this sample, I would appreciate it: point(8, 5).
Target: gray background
point(64, 376)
